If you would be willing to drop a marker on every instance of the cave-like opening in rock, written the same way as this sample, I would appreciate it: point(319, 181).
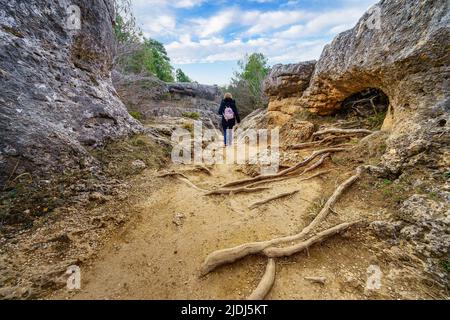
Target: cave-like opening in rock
point(369, 106)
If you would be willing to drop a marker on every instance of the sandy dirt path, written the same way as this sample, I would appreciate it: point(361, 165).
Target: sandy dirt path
point(158, 254)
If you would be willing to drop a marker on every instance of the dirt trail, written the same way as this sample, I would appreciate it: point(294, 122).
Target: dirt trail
point(158, 254)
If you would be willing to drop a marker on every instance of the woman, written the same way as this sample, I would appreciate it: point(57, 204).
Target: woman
point(230, 116)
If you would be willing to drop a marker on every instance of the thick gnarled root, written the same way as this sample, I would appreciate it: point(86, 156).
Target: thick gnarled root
point(279, 196)
point(284, 172)
point(182, 177)
point(224, 256)
point(341, 131)
point(324, 142)
point(295, 174)
point(318, 238)
point(266, 282)
point(236, 190)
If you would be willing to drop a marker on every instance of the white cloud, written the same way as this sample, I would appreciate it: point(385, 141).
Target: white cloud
point(166, 3)
point(216, 49)
point(163, 24)
point(187, 3)
point(272, 20)
point(327, 23)
point(256, 21)
point(215, 24)
point(282, 35)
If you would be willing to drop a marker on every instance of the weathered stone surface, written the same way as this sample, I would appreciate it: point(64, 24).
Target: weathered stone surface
point(425, 223)
point(154, 98)
point(296, 131)
point(56, 94)
point(400, 48)
point(404, 57)
point(396, 47)
point(195, 90)
point(284, 85)
point(288, 80)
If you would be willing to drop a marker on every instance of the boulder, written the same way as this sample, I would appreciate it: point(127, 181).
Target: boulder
point(397, 47)
point(201, 91)
point(154, 98)
point(288, 80)
point(284, 85)
point(56, 94)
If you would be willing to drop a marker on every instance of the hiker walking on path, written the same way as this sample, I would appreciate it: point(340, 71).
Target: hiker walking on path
point(230, 116)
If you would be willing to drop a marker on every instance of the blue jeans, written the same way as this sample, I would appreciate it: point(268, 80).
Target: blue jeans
point(228, 137)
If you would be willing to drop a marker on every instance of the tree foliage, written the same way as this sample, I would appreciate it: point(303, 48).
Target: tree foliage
point(247, 84)
point(181, 76)
point(134, 53)
point(150, 58)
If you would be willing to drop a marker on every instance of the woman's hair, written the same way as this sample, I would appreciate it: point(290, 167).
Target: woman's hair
point(228, 96)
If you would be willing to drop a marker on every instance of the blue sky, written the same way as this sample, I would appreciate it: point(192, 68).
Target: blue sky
point(205, 38)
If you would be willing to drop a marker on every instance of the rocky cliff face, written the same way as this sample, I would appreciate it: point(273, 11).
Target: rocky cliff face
point(401, 49)
point(396, 47)
point(404, 56)
point(284, 85)
point(56, 94)
point(155, 99)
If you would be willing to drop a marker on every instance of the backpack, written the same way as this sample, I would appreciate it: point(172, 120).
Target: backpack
point(228, 113)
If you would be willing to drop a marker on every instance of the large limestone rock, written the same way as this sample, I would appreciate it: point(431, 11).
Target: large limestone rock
point(284, 85)
point(156, 99)
point(398, 47)
point(195, 90)
point(56, 94)
point(401, 48)
point(288, 80)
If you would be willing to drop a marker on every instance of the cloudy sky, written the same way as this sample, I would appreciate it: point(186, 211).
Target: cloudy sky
point(205, 38)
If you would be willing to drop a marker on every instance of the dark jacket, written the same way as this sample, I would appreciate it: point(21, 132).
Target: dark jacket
point(229, 103)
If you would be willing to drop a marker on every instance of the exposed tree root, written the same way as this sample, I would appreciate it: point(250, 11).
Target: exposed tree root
point(285, 171)
point(266, 282)
point(279, 196)
point(200, 168)
point(220, 257)
point(370, 136)
point(287, 194)
point(341, 131)
point(236, 190)
point(294, 174)
point(324, 141)
point(330, 203)
point(172, 174)
point(304, 145)
point(183, 178)
point(296, 248)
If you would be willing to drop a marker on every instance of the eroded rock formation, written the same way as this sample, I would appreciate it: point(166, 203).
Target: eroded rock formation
point(402, 54)
point(396, 47)
point(155, 99)
point(284, 85)
point(401, 49)
point(56, 94)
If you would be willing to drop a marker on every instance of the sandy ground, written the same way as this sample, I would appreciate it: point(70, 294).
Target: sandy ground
point(158, 254)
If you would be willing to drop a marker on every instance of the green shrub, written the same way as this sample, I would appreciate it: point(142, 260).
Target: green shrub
point(136, 114)
point(376, 121)
point(191, 115)
point(445, 264)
